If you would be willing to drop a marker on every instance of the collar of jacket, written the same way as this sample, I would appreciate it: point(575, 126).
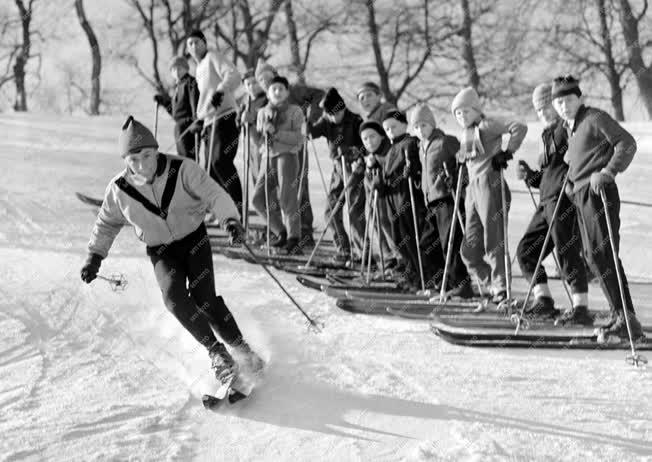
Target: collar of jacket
point(399, 138)
point(279, 107)
point(579, 117)
point(161, 163)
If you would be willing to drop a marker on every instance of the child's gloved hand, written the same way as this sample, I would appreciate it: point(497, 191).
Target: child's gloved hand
point(499, 161)
point(600, 180)
point(217, 98)
point(524, 172)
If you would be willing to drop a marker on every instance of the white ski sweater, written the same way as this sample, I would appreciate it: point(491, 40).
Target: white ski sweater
point(216, 73)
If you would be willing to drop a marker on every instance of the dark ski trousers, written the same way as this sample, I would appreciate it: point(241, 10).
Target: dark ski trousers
point(185, 143)
point(434, 242)
point(225, 147)
point(595, 240)
point(565, 238)
point(403, 233)
point(184, 271)
point(356, 209)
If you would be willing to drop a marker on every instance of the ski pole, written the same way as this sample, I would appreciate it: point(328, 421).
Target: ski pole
point(554, 255)
point(267, 165)
point(196, 153)
point(538, 265)
point(156, 121)
point(334, 211)
point(414, 221)
point(506, 260)
point(245, 169)
point(366, 239)
point(117, 281)
point(312, 322)
point(635, 358)
point(380, 236)
point(347, 202)
point(321, 172)
point(304, 158)
point(210, 149)
point(451, 236)
point(371, 239)
point(458, 212)
point(181, 135)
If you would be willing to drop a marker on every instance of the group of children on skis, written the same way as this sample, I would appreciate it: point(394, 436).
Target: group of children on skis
point(401, 187)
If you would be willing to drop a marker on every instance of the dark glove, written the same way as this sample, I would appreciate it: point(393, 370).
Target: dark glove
point(162, 99)
point(524, 172)
point(236, 231)
point(378, 184)
point(90, 268)
point(599, 180)
point(217, 98)
point(499, 161)
point(197, 126)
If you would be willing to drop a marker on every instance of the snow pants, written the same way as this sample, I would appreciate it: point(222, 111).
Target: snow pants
point(595, 240)
point(184, 272)
point(282, 187)
point(484, 238)
point(565, 239)
point(356, 209)
point(223, 136)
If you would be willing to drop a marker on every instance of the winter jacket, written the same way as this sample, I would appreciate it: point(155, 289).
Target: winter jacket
point(550, 178)
point(403, 147)
point(288, 121)
point(378, 113)
point(183, 104)
point(304, 97)
point(216, 73)
point(597, 142)
point(343, 138)
point(489, 133)
point(439, 150)
point(167, 210)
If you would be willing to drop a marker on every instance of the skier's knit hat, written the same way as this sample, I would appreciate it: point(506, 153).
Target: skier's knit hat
point(262, 66)
point(332, 102)
point(179, 61)
point(565, 85)
point(467, 97)
point(396, 115)
point(134, 137)
point(422, 113)
point(368, 86)
point(280, 79)
point(198, 34)
point(372, 125)
point(542, 96)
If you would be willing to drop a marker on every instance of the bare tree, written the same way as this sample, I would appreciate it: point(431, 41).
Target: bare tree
point(94, 103)
point(636, 48)
point(146, 12)
point(23, 53)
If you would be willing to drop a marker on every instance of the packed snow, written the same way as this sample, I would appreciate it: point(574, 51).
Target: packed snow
point(91, 374)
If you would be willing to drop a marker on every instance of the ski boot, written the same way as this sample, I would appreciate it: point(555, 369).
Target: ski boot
point(222, 363)
point(248, 358)
point(463, 291)
point(576, 315)
point(542, 308)
point(293, 246)
point(618, 330)
point(279, 240)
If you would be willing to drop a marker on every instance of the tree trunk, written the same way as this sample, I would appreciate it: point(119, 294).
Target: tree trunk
point(378, 55)
point(294, 42)
point(94, 104)
point(23, 55)
point(612, 73)
point(642, 73)
point(467, 46)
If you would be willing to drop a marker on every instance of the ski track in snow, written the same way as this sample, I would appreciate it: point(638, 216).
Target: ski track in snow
point(91, 374)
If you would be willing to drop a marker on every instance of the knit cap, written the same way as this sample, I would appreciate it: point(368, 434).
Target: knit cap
point(179, 61)
point(542, 96)
point(467, 97)
point(280, 79)
point(396, 115)
point(332, 102)
point(422, 113)
point(134, 137)
point(565, 85)
point(372, 125)
point(368, 86)
point(262, 66)
point(198, 34)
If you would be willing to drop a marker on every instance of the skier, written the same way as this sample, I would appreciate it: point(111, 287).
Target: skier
point(402, 165)
point(564, 231)
point(256, 99)
point(481, 150)
point(598, 149)
point(217, 79)
point(281, 125)
point(341, 128)
point(183, 107)
point(437, 152)
point(165, 199)
point(371, 103)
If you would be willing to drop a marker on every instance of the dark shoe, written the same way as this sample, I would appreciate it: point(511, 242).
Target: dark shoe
point(222, 363)
point(307, 240)
point(576, 315)
point(342, 256)
point(464, 291)
point(294, 246)
point(391, 263)
point(543, 308)
point(280, 240)
point(618, 330)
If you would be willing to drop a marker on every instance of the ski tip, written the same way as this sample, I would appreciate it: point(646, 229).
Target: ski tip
point(210, 402)
point(236, 396)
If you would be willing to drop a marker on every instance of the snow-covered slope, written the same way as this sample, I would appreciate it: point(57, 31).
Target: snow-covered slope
point(90, 374)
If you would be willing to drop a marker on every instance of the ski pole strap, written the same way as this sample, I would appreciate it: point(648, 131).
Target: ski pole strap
point(168, 192)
